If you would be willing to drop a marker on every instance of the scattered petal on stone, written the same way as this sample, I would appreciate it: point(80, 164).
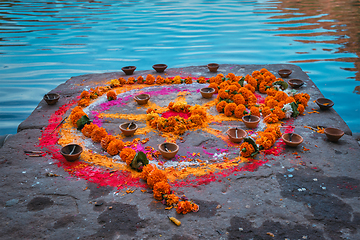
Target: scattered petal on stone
point(270, 234)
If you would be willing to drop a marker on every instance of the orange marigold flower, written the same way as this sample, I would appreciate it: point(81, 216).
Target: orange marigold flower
point(251, 100)
point(281, 96)
point(98, 134)
point(201, 80)
point(115, 83)
point(189, 80)
point(264, 142)
point(194, 207)
point(255, 111)
point(176, 80)
point(147, 170)
point(106, 140)
point(250, 87)
point(240, 111)
point(220, 106)
point(224, 85)
point(270, 102)
point(131, 80)
point(263, 87)
point(155, 176)
point(275, 130)
point(160, 189)
point(245, 92)
point(301, 108)
point(84, 102)
point(168, 80)
point(265, 111)
point(271, 92)
point(246, 149)
point(115, 147)
point(222, 94)
point(279, 113)
point(255, 74)
point(85, 94)
point(230, 109)
point(268, 135)
point(184, 207)
point(232, 89)
point(238, 99)
point(271, 118)
point(171, 199)
point(303, 101)
point(122, 81)
point(140, 79)
point(111, 95)
point(150, 79)
point(289, 100)
point(160, 80)
point(75, 117)
point(127, 155)
point(88, 129)
point(250, 80)
point(231, 76)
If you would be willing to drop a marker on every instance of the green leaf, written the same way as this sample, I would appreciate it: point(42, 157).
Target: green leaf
point(82, 121)
point(294, 107)
point(283, 84)
point(241, 81)
point(140, 160)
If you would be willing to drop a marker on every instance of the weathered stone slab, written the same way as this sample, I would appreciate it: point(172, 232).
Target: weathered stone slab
point(313, 194)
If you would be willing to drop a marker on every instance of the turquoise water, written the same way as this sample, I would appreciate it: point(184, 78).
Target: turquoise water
point(44, 43)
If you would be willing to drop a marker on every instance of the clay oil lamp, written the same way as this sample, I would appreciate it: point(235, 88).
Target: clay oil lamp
point(142, 99)
point(284, 73)
point(128, 70)
point(168, 150)
point(324, 103)
point(213, 67)
point(128, 129)
point(295, 83)
point(292, 139)
point(333, 134)
point(51, 98)
point(207, 92)
point(236, 135)
point(251, 121)
point(71, 152)
point(159, 67)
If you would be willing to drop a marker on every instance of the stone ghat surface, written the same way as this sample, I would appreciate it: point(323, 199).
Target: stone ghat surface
point(308, 192)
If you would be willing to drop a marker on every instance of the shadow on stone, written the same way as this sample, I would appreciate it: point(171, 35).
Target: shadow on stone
point(117, 220)
point(242, 228)
point(39, 203)
point(322, 195)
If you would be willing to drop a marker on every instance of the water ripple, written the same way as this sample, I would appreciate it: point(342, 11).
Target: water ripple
point(44, 43)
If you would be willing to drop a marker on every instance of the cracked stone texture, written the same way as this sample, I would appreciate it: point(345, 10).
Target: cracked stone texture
point(315, 196)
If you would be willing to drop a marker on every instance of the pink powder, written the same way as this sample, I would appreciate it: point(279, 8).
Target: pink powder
point(175, 114)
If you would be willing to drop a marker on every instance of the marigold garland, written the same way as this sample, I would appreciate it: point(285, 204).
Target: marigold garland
point(235, 97)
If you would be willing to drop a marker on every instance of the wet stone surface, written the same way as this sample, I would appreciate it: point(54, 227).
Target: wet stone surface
point(307, 192)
